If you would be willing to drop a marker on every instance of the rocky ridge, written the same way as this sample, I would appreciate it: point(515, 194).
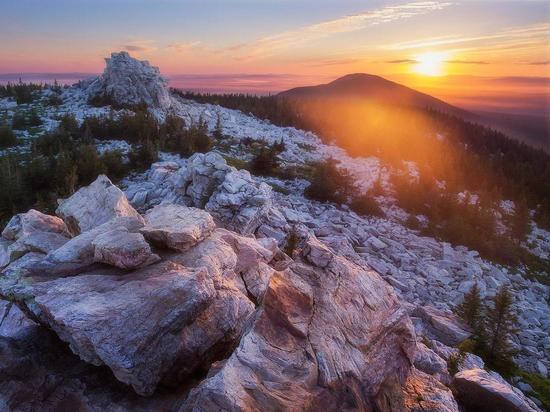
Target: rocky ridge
point(175, 294)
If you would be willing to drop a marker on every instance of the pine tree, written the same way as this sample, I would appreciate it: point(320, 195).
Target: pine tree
point(500, 324)
point(218, 131)
point(471, 310)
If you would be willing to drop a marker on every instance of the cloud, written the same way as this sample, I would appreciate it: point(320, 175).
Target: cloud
point(346, 24)
point(541, 63)
point(467, 62)
point(333, 62)
point(183, 47)
point(403, 61)
point(139, 46)
point(511, 36)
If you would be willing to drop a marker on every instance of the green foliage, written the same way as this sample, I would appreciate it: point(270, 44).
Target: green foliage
point(7, 137)
point(185, 141)
point(501, 323)
point(454, 362)
point(54, 100)
point(412, 222)
point(22, 92)
point(90, 165)
point(19, 120)
point(266, 161)
point(144, 156)
point(462, 222)
point(114, 164)
point(472, 312)
point(34, 119)
point(492, 327)
point(330, 184)
point(366, 205)
point(541, 387)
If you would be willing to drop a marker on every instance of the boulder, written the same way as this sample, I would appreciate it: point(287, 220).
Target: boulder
point(177, 227)
point(31, 222)
point(39, 373)
point(93, 205)
point(428, 361)
point(123, 249)
point(444, 326)
point(78, 253)
point(129, 82)
point(424, 393)
point(200, 177)
point(323, 338)
point(158, 324)
point(482, 391)
point(4, 252)
point(131, 323)
point(240, 202)
point(40, 242)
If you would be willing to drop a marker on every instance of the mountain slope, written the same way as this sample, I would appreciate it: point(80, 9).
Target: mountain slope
point(374, 89)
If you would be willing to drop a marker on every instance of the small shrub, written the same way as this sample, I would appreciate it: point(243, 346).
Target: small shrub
point(7, 137)
point(34, 119)
point(366, 205)
point(19, 121)
point(329, 184)
point(114, 164)
point(54, 100)
point(144, 156)
point(292, 241)
point(454, 362)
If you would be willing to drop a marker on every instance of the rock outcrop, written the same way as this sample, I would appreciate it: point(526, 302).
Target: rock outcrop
point(129, 82)
point(177, 227)
point(482, 391)
point(233, 197)
point(94, 205)
point(308, 343)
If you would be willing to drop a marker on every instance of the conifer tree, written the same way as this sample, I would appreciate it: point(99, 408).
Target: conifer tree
point(218, 131)
point(471, 310)
point(500, 324)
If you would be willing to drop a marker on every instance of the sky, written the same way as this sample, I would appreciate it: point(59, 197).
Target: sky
point(491, 54)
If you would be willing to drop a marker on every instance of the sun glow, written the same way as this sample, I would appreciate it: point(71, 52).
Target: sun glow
point(431, 63)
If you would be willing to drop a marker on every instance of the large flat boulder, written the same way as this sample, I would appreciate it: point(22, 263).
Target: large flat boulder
point(32, 231)
point(484, 391)
point(121, 248)
point(79, 252)
point(93, 205)
point(131, 323)
point(324, 338)
point(33, 221)
point(177, 227)
point(444, 326)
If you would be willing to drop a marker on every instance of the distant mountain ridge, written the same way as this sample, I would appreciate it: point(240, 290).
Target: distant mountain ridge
point(376, 89)
point(532, 130)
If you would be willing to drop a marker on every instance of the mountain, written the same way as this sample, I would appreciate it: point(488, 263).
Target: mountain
point(374, 89)
point(533, 130)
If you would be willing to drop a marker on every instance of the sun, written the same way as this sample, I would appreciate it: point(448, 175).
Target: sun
point(431, 63)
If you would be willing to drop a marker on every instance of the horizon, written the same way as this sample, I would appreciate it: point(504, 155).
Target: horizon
point(241, 46)
point(508, 98)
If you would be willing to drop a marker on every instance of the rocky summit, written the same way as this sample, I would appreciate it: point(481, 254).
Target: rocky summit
point(129, 82)
point(196, 285)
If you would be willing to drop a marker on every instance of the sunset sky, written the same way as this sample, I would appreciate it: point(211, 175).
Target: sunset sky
point(481, 54)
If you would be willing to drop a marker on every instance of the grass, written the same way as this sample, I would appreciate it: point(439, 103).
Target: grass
point(541, 387)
